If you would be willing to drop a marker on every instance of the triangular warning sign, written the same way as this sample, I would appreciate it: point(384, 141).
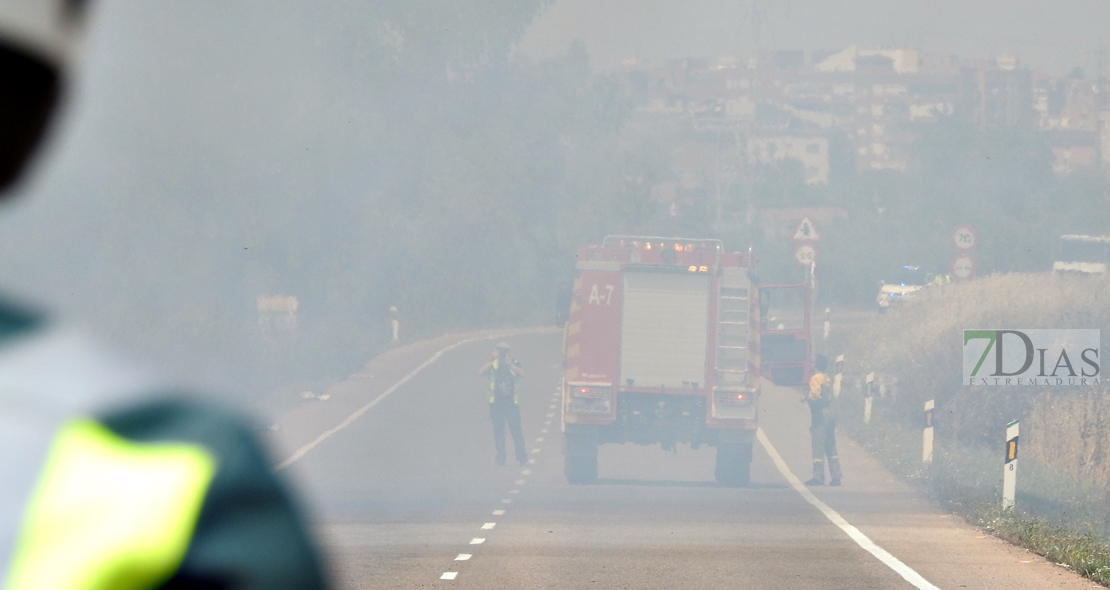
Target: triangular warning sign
point(806, 232)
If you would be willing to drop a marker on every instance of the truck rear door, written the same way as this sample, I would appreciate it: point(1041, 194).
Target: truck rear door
point(664, 329)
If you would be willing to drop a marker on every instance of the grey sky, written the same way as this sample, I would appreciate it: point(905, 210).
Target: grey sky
point(1052, 36)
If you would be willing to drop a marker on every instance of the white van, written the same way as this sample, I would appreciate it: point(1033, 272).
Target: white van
point(900, 285)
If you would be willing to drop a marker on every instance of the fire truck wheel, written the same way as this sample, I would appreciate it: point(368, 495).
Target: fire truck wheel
point(580, 461)
point(734, 463)
point(581, 469)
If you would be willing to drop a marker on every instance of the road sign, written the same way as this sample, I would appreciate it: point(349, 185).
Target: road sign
point(805, 255)
point(963, 267)
point(964, 237)
point(806, 232)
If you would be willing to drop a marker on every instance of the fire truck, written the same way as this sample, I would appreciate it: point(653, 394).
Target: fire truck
point(661, 346)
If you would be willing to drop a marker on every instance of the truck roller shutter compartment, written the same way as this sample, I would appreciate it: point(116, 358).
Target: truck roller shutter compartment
point(664, 329)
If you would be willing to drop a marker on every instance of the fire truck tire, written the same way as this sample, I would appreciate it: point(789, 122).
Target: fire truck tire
point(734, 464)
point(580, 460)
point(581, 469)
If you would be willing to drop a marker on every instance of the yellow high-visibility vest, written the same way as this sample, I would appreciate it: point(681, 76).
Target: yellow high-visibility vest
point(109, 513)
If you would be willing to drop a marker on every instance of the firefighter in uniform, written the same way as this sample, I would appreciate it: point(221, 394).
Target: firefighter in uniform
point(822, 428)
point(504, 401)
point(110, 480)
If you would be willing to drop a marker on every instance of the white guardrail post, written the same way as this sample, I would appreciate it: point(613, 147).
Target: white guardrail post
point(868, 393)
point(838, 377)
point(827, 312)
point(927, 433)
point(1009, 469)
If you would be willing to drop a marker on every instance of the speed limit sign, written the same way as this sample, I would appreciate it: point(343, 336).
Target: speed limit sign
point(963, 267)
point(964, 237)
point(805, 255)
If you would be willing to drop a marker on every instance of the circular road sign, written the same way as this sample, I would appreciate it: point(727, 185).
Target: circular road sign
point(805, 255)
point(963, 266)
point(964, 237)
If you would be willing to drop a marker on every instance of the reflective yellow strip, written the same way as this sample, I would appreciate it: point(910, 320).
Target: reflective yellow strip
point(109, 513)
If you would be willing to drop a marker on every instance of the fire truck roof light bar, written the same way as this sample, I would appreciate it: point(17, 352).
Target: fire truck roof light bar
point(659, 242)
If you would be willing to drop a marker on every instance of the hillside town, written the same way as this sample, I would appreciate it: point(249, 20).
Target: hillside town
point(727, 113)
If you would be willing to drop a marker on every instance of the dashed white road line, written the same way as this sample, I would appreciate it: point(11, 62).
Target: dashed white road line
point(499, 512)
point(862, 540)
point(551, 414)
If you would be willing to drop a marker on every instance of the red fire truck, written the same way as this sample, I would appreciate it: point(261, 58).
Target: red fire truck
point(661, 347)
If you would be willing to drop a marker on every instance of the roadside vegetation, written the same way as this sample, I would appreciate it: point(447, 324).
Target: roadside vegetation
point(1063, 481)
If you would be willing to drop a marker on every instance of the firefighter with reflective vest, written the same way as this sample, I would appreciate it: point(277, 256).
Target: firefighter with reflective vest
point(822, 428)
point(504, 401)
point(110, 481)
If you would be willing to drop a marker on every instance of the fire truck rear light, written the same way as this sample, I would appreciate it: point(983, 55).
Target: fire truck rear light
point(734, 397)
point(584, 391)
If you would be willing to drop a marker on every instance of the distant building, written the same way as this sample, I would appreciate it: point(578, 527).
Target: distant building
point(779, 105)
point(812, 152)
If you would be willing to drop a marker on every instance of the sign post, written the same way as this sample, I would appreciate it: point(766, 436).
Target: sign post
point(927, 433)
point(838, 377)
point(1009, 469)
point(964, 238)
point(806, 237)
point(867, 396)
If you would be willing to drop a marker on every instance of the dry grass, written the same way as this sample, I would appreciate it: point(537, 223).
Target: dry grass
point(1063, 503)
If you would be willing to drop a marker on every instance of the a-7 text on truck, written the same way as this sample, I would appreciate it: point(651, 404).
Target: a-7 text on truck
point(660, 349)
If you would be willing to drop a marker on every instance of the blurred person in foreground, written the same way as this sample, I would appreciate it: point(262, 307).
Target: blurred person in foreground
point(504, 401)
point(822, 429)
point(108, 479)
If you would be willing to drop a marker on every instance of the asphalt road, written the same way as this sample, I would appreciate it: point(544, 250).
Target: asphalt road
point(397, 466)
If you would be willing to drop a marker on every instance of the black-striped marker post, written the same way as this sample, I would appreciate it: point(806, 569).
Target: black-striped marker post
point(1009, 469)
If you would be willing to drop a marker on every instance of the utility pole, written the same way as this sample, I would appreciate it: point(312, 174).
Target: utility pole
point(1102, 110)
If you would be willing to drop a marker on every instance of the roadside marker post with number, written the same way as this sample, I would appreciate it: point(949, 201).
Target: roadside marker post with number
point(869, 383)
point(1009, 469)
point(927, 433)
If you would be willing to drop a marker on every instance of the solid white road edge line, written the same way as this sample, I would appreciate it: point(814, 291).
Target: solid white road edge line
point(861, 539)
point(301, 452)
